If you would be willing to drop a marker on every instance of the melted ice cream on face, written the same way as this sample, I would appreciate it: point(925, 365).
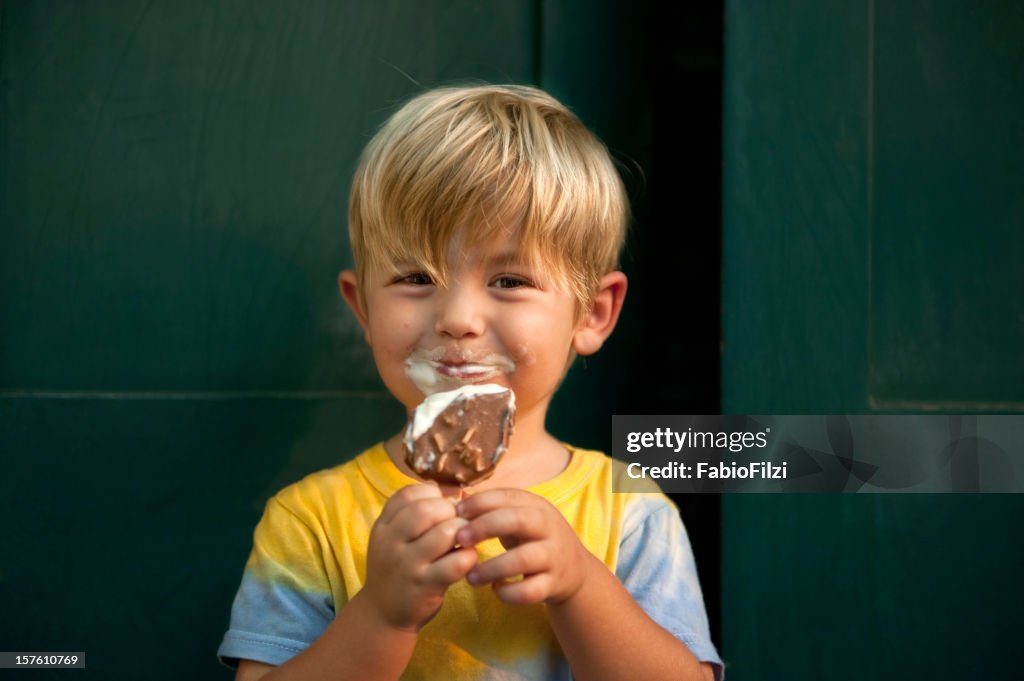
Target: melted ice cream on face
point(458, 436)
point(423, 375)
point(422, 367)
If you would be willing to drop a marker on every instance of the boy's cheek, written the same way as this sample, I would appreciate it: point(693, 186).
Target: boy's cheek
point(523, 356)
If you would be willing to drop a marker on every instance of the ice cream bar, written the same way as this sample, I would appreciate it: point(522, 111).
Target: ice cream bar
point(457, 437)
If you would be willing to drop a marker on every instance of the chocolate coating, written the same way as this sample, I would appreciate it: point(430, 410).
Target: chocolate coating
point(466, 439)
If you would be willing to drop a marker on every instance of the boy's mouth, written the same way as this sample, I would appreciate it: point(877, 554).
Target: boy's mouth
point(466, 371)
point(436, 370)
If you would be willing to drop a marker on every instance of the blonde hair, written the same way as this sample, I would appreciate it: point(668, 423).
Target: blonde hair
point(473, 163)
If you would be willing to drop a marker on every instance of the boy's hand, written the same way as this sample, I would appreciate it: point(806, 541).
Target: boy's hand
point(542, 547)
point(411, 559)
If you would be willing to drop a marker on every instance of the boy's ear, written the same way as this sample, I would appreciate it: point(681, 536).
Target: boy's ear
point(596, 325)
point(348, 284)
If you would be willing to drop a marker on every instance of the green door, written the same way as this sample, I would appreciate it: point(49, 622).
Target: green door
point(873, 247)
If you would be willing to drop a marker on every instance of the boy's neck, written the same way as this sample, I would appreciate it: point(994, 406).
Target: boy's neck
point(534, 456)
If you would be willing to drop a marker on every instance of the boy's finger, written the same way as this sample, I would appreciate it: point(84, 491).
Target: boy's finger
point(522, 522)
point(437, 541)
point(419, 516)
point(527, 559)
point(403, 497)
point(478, 504)
point(452, 567)
point(533, 589)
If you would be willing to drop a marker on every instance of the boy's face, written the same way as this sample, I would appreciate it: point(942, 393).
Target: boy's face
point(496, 321)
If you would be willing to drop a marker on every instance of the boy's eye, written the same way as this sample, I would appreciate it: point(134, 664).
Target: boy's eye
point(415, 279)
point(510, 281)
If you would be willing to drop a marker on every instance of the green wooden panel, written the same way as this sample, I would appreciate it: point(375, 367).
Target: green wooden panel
point(816, 167)
point(947, 282)
point(128, 521)
point(918, 587)
point(793, 196)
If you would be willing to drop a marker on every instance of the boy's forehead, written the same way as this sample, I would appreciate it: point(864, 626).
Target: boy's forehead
point(501, 247)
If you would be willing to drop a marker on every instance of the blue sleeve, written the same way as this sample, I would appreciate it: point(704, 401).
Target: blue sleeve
point(284, 602)
point(656, 566)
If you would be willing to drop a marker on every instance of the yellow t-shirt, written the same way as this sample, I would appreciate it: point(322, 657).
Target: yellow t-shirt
point(309, 558)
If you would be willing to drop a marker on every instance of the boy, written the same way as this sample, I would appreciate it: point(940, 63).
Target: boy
point(486, 224)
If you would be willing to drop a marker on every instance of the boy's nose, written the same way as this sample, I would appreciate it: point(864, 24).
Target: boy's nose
point(460, 314)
